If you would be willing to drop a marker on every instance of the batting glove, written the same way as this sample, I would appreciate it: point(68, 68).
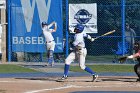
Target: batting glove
point(92, 39)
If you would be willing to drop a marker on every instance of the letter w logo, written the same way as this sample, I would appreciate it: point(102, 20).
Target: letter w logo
point(28, 7)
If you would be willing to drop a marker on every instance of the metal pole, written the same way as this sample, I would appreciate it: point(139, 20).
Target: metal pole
point(67, 33)
point(123, 24)
point(9, 31)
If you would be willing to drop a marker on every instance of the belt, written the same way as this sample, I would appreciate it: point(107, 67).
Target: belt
point(50, 41)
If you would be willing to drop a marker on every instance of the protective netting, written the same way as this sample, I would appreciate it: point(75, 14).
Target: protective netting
point(109, 17)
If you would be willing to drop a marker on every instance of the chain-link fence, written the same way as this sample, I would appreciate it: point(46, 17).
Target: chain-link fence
point(109, 17)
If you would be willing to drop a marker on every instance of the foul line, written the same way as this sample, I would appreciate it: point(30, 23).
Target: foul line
point(71, 86)
point(36, 91)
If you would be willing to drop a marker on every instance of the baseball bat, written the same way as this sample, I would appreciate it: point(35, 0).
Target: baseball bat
point(110, 32)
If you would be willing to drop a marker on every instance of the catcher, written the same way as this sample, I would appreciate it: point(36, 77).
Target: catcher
point(136, 55)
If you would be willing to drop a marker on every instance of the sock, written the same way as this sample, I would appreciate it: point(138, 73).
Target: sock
point(50, 57)
point(89, 70)
point(49, 60)
point(66, 69)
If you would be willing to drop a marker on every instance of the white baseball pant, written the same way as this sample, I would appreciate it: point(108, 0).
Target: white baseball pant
point(80, 55)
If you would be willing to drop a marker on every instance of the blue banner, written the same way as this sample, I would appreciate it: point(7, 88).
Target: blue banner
point(26, 18)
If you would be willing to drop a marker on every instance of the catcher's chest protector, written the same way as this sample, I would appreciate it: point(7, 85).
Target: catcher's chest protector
point(138, 59)
point(137, 70)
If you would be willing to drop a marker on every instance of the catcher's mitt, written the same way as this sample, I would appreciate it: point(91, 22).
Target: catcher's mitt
point(122, 59)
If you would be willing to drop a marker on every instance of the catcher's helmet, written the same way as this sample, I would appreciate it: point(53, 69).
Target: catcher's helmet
point(79, 27)
point(137, 46)
point(44, 23)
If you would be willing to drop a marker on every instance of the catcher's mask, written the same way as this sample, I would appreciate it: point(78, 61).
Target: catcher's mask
point(137, 46)
point(79, 28)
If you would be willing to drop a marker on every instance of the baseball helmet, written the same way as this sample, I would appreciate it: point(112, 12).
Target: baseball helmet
point(79, 27)
point(44, 23)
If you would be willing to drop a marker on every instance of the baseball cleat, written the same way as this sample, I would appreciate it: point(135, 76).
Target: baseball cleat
point(50, 64)
point(94, 78)
point(64, 77)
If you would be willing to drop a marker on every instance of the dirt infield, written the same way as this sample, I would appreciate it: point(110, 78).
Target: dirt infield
point(110, 84)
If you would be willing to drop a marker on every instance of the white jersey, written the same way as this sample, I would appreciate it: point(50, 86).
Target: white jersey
point(79, 39)
point(48, 33)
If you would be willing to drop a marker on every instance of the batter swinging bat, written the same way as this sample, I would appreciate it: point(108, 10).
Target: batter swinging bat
point(110, 32)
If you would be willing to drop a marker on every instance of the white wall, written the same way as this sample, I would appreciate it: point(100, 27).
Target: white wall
point(0, 37)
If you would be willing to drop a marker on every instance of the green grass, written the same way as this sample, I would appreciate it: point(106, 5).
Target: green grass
point(106, 68)
point(9, 68)
point(100, 58)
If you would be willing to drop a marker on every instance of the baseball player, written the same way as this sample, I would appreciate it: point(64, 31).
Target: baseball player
point(136, 55)
point(47, 31)
point(79, 52)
